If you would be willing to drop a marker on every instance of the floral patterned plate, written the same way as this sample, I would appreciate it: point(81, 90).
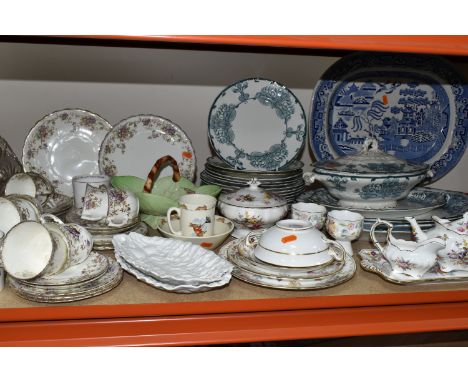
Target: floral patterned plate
point(104, 242)
point(414, 105)
point(98, 228)
point(94, 266)
point(257, 124)
point(135, 143)
point(57, 204)
point(282, 282)
point(64, 144)
point(9, 164)
point(373, 261)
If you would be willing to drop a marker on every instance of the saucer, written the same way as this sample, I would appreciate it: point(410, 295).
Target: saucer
point(222, 229)
point(101, 228)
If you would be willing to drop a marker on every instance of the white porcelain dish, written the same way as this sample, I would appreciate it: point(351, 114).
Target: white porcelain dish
point(171, 261)
point(104, 242)
point(134, 144)
point(64, 144)
point(257, 124)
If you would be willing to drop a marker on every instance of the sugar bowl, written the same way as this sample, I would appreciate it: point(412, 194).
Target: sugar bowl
point(252, 208)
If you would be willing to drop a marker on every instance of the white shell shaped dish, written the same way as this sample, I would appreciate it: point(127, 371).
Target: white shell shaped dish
point(171, 261)
point(257, 124)
point(179, 288)
point(135, 143)
point(64, 144)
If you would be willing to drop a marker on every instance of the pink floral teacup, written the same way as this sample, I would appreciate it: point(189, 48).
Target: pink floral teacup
point(345, 226)
point(95, 203)
point(123, 207)
point(314, 213)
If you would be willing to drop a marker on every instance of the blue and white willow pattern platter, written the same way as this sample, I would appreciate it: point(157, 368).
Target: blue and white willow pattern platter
point(257, 124)
point(415, 106)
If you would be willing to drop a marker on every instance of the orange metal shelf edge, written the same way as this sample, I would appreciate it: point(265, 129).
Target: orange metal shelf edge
point(448, 45)
point(236, 328)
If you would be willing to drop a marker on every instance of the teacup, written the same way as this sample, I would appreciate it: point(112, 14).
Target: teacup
point(10, 215)
point(196, 213)
point(79, 240)
point(95, 203)
point(314, 213)
point(345, 226)
point(31, 184)
point(30, 250)
point(123, 207)
point(28, 206)
point(79, 186)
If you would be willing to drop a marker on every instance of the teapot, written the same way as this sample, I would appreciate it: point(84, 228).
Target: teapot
point(407, 257)
point(454, 255)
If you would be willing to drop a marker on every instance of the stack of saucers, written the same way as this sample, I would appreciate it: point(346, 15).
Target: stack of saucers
point(171, 265)
point(286, 182)
point(96, 275)
point(101, 232)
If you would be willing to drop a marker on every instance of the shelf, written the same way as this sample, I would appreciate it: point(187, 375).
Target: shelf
point(445, 45)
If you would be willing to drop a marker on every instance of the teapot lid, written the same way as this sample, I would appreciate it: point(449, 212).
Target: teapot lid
point(253, 196)
point(370, 160)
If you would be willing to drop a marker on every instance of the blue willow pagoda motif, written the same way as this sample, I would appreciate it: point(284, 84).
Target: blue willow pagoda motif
point(273, 95)
point(388, 188)
point(338, 182)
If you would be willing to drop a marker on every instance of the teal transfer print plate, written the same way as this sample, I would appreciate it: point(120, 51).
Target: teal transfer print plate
point(257, 124)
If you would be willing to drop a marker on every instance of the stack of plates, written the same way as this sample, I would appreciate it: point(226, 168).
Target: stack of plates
point(170, 264)
point(421, 203)
point(98, 274)
point(254, 271)
point(103, 234)
point(286, 182)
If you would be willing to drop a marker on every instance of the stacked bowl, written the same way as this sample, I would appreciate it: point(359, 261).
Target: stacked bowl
point(286, 182)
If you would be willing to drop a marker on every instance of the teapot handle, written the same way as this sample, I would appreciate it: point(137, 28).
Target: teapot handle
point(372, 233)
point(155, 169)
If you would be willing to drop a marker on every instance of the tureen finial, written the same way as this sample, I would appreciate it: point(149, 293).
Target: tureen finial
point(253, 183)
point(370, 144)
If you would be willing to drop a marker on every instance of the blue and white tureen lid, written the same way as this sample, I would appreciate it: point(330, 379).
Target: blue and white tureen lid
point(370, 160)
point(253, 196)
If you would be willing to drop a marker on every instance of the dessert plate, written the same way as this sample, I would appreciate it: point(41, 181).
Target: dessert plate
point(57, 204)
point(171, 261)
point(64, 144)
point(104, 242)
point(413, 105)
point(418, 202)
point(274, 281)
point(257, 124)
point(373, 261)
point(135, 143)
point(9, 164)
point(98, 228)
point(94, 266)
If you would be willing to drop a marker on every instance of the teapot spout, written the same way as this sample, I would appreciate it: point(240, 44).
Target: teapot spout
point(417, 231)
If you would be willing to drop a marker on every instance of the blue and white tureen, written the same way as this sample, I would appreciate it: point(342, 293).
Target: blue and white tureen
point(371, 179)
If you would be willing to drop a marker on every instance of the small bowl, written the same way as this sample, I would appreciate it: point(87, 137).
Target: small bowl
point(222, 229)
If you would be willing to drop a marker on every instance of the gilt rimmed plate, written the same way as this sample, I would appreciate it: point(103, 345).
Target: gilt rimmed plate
point(373, 261)
point(135, 143)
point(9, 164)
point(63, 144)
point(257, 124)
point(414, 105)
point(276, 282)
point(418, 202)
point(94, 266)
point(57, 204)
point(104, 242)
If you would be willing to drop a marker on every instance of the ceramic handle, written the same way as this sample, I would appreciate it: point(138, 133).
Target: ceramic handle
point(155, 170)
point(168, 216)
point(341, 249)
point(251, 240)
point(309, 178)
point(372, 233)
point(44, 217)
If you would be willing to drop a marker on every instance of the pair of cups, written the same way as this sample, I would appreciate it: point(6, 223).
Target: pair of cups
point(15, 209)
point(31, 249)
point(102, 203)
point(30, 184)
point(196, 213)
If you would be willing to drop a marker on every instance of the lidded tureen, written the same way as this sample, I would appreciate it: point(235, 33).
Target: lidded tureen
point(252, 208)
point(293, 243)
point(371, 179)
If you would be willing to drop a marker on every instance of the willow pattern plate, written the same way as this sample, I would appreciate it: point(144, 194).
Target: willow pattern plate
point(257, 124)
point(178, 288)
point(9, 164)
point(63, 144)
point(414, 105)
point(135, 143)
point(373, 261)
point(345, 274)
point(94, 266)
point(108, 281)
point(418, 202)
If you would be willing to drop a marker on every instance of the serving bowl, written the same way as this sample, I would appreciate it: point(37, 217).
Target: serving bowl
point(371, 179)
